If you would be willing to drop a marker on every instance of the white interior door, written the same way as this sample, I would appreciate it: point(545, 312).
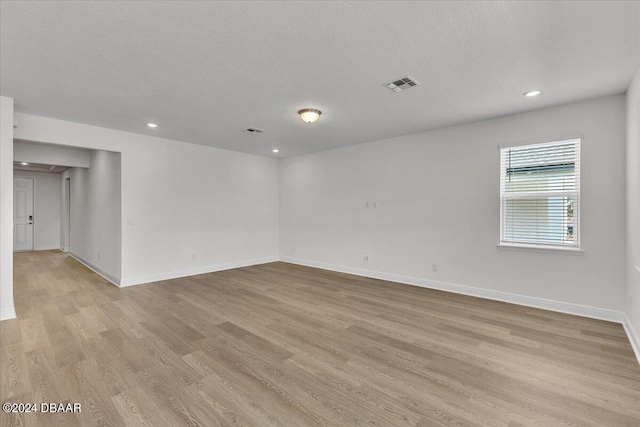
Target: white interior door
point(22, 214)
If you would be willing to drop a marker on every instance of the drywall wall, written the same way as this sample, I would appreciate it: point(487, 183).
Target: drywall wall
point(47, 208)
point(33, 152)
point(7, 310)
point(186, 209)
point(96, 213)
point(437, 204)
point(633, 207)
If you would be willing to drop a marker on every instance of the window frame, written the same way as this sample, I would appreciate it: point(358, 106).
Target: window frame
point(504, 197)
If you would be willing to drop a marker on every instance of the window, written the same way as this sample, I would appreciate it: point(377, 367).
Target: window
point(540, 195)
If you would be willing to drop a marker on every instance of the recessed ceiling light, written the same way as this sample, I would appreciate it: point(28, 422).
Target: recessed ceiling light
point(152, 125)
point(24, 163)
point(275, 150)
point(310, 115)
point(532, 93)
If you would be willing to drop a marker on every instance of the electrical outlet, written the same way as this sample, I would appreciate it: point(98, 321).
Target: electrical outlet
point(131, 221)
point(193, 257)
point(98, 255)
point(293, 249)
point(366, 258)
point(434, 268)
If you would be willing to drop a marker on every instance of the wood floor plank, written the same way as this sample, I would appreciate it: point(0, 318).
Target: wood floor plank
point(14, 376)
point(34, 334)
point(261, 345)
point(285, 345)
point(132, 358)
point(10, 332)
point(84, 385)
point(136, 409)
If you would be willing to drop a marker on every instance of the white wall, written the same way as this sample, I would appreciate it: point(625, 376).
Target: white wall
point(437, 194)
point(633, 206)
point(47, 208)
point(96, 212)
point(186, 208)
point(7, 310)
point(33, 152)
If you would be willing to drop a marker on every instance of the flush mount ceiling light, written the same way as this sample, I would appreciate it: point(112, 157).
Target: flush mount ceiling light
point(275, 150)
point(532, 93)
point(152, 125)
point(310, 115)
point(24, 163)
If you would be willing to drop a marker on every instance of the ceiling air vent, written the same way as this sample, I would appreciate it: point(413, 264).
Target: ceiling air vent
point(254, 130)
point(401, 84)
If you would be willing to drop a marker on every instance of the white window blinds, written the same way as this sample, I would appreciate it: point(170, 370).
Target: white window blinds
point(540, 194)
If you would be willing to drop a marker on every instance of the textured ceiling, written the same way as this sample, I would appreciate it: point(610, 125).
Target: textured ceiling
point(206, 71)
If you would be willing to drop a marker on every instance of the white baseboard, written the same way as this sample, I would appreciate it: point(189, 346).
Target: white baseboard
point(132, 281)
point(546, 304)
point(111, 278)
point(634, 338)
point(47, 247)
point(7, 313)
point(65, 249)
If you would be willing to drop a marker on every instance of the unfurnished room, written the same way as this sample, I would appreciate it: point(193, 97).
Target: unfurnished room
point(320, 213)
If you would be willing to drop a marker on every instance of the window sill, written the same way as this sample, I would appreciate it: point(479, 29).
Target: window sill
point(532, 248)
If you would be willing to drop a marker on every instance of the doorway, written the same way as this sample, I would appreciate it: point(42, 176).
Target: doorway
point(23, 220)
point(66, 216)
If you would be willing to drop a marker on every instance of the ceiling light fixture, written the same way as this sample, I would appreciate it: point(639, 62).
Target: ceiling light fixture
point(275, 150)
point(24, 163)
point(310, 115)
point(532, 93)
point(152, 125)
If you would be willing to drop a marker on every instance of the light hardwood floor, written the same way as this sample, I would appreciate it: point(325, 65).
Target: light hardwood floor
point(284, 345)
